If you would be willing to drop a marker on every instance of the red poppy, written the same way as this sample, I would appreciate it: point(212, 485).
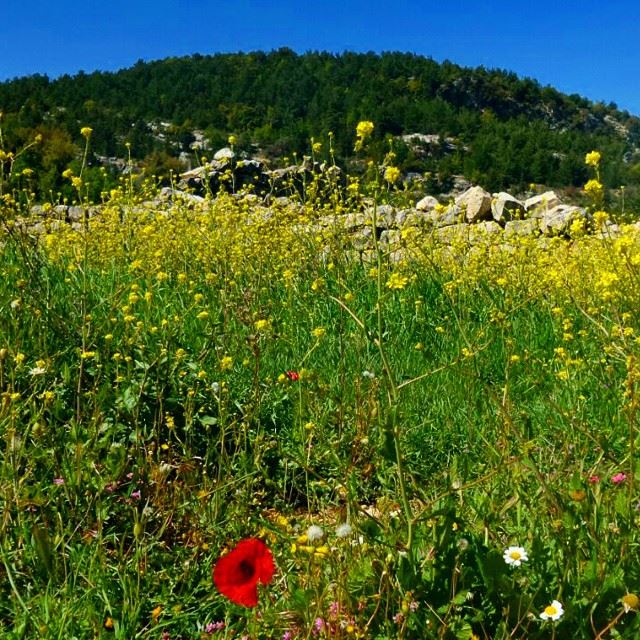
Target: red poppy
point(237, 574)
point(293, 375)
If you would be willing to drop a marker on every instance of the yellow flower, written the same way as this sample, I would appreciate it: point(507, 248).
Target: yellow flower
point(155, 614)
point(231, 140)
point(226, 363)
point(318, 332)
point(599, 218)
point(630, 602)
point(364, 129)
point(203, 315)
point(592, 158)
point(397, 281)
point(392, 175)
point(594, 189)
point(86, 132)
point(262, 325)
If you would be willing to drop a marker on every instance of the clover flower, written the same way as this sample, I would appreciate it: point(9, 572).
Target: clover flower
point(618, 478)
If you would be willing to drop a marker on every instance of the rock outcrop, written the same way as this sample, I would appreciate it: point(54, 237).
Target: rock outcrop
point(476, 203)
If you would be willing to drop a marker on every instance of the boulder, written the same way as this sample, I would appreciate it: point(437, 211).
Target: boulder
point(453, 234)
point(537, 205)
point(528, 227)
point(167, 193)
point(557, 221)
point(75, 214)
point(453, 214)
point(428, 203)
point(385, 216)
point(484, 229)
point(390, 237)
point(477, 204)
point(224, 155)
point(505, 207)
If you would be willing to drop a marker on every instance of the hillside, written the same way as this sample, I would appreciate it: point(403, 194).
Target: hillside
point(497, 129)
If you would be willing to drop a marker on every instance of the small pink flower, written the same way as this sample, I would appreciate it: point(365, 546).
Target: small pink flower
point(136, 494)
point(58, 481)
point(594, 479)
point(619, 478)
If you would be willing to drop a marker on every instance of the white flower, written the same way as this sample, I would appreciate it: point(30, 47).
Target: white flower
point(37, 371)
point(515, 556)
point(553, 612)
point(368, 374)
point(343, 530)
point(314, 532)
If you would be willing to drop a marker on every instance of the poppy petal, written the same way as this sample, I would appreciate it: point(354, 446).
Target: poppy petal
point(237, 574)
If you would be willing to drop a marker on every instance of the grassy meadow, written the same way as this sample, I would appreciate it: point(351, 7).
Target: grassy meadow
point(437, 442)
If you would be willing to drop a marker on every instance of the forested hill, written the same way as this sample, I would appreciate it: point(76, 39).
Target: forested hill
point(497, 129)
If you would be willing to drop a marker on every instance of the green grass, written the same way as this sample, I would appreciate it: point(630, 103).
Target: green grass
point(494, 444)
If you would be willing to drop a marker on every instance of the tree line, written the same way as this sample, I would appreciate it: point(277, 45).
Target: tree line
point(497, 129)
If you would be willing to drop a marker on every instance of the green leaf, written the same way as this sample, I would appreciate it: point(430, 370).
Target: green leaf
point(44, 550)
point(622, 504)
point(492, 568)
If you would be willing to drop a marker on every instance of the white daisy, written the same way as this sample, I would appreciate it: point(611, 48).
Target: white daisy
point(553, 612)
point(515, 556)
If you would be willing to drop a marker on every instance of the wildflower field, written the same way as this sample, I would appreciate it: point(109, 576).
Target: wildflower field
point(219, 420)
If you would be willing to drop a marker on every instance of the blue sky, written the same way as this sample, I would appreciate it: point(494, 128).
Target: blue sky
point(577, 46)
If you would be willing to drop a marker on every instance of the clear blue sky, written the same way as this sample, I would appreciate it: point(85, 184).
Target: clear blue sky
point(577, 46)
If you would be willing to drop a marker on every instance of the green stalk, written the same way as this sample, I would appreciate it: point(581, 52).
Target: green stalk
point(392, 387)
